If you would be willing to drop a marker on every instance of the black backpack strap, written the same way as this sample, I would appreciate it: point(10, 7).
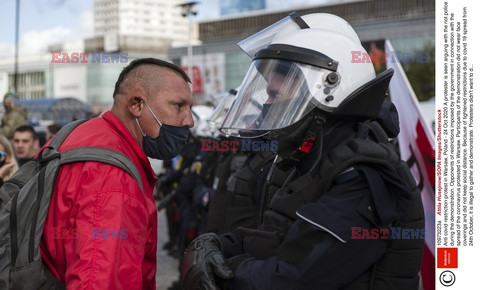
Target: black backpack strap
point(103, 155)
point(58, 139)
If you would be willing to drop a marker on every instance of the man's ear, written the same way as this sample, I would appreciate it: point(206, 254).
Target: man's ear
point(36, 144)
point(135, 105)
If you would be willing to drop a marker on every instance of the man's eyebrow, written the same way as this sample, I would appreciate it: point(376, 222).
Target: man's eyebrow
point(181, 102)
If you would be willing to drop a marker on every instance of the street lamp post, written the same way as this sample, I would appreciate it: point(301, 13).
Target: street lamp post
point(189, 52)
point(187, 11)
point(15, 72)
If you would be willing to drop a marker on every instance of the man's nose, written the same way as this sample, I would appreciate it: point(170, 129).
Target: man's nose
point(188, 120)
point(271, 98)
point(272, 94)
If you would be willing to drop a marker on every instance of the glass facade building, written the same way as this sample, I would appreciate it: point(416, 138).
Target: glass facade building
point(229, 7)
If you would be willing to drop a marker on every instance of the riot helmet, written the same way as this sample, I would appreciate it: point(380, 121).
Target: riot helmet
point(306, 66)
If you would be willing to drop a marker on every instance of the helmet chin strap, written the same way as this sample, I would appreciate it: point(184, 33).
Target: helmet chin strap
point(289, 157)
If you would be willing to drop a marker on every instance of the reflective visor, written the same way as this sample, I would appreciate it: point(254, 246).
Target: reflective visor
point(274, 94)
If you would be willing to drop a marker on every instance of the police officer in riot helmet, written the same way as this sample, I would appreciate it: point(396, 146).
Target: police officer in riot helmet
point(333, 124)
point(239, 179)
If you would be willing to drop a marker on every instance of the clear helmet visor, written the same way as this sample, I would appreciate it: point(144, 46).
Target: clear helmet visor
point(199, 113)
point(263, 38)
point(222, 108)
point(274, 94)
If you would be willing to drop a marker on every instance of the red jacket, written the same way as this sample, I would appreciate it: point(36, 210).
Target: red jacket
point(101, 230)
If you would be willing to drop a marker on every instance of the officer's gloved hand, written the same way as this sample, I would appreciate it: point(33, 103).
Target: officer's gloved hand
point(202, 262)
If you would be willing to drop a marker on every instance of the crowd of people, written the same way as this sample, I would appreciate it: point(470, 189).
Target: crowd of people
point(19, 142)
point(253, 217)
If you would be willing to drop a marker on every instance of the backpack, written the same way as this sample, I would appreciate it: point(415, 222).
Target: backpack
point(24, 203)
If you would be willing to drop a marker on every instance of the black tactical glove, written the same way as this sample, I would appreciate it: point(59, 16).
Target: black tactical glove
point(203, 262)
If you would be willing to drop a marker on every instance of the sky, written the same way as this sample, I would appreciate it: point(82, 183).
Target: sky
point(47, 22)
point(44, 22)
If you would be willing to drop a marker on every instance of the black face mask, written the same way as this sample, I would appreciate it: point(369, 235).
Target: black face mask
point(3, 162)
point(168, 144)
point(260, 119)
point(265, 109)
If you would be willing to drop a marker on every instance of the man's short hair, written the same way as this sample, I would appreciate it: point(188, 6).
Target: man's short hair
point(27, 128)
point(147, 61)
point(9, 95)
point(54, 128)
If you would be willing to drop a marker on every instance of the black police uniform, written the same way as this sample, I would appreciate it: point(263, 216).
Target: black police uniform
point(306, 238)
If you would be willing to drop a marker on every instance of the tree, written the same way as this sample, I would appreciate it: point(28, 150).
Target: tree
point(422, 74)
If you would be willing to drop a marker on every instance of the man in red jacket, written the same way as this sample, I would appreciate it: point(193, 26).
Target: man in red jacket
point(101, 230)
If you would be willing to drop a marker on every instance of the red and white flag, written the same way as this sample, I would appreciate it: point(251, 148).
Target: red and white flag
point(417, 147)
